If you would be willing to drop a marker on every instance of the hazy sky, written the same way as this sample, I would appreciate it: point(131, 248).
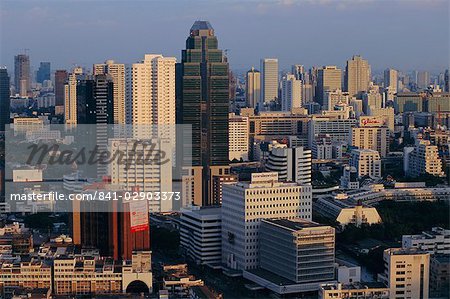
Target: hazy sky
point(404, 34)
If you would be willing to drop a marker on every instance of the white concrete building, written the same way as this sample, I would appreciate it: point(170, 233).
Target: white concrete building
point(245, 204)
point(143, 166)
point(371, 137)
point(151, 96)
point(423, 159)
point(201, 235)
point(407, 273)
point(367, 162)
point(238, 137)
point(337, 129)
point(436, 241)
point(117, 73)
point(293, 164)
point(291, 93)
point(322, 148)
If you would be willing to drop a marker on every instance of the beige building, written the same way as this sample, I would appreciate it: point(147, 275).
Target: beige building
point(367, 162)
point(422, 159)
point(98, 275)
point(117, 73)
point(387, 114)
point(357, 75)
point(26, 274)
point(391, 79)
point(238, 137)
point(269, 81)
point(253, 87)
point(333, 98)
point(151, 96)
point(328, 78)
point(291, 93)
point(70, 97)
point(374, 138)
point(363, 290)
point(371, 99)
point(407, 273)
point(344, 211)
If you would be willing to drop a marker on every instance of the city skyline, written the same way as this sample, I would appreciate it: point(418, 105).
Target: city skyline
point(349, 28)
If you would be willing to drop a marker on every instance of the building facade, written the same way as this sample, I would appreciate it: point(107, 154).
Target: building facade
point(202, 102)
point(269, 82)
point(367, 162)
point(253, 87)
point(244, 205)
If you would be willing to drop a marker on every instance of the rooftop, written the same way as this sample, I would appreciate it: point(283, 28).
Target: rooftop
point(201, 25)
point(294, 224)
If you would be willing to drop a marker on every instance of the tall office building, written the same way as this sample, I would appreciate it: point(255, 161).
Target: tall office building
point(94, 100)
point(4, 98)
point(61, 77)
point(4, 120)
point(245, 204)
point(43, 72)
point(108, 226)
point(117, 73)
point(357, 75)
point(298, 71)
point(269, 82)
point(423, 79)
point(253, 87)
point(446, 81)
point(22, 79)
point(291, 93)
point(293, 164)
point(406, 273)
point(70, 96)
point(391, 79)
point(202, 102)
point(329, 78)
point(152, 92)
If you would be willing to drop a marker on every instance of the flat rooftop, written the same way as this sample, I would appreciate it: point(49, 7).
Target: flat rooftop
point(294, 224)
point(356, 286)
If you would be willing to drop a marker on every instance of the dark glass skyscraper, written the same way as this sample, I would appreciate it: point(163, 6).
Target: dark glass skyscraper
point(60, 79)
point(4, 98)
point(202, 102)
point(22, 81)
point(43, 72)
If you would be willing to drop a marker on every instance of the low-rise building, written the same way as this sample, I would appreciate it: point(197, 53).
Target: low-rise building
point(177, 281)
point(25, 273)
point(436, 241)
point(346, 211)
point(439, 275)
point(201, 235)
point(366, 290)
